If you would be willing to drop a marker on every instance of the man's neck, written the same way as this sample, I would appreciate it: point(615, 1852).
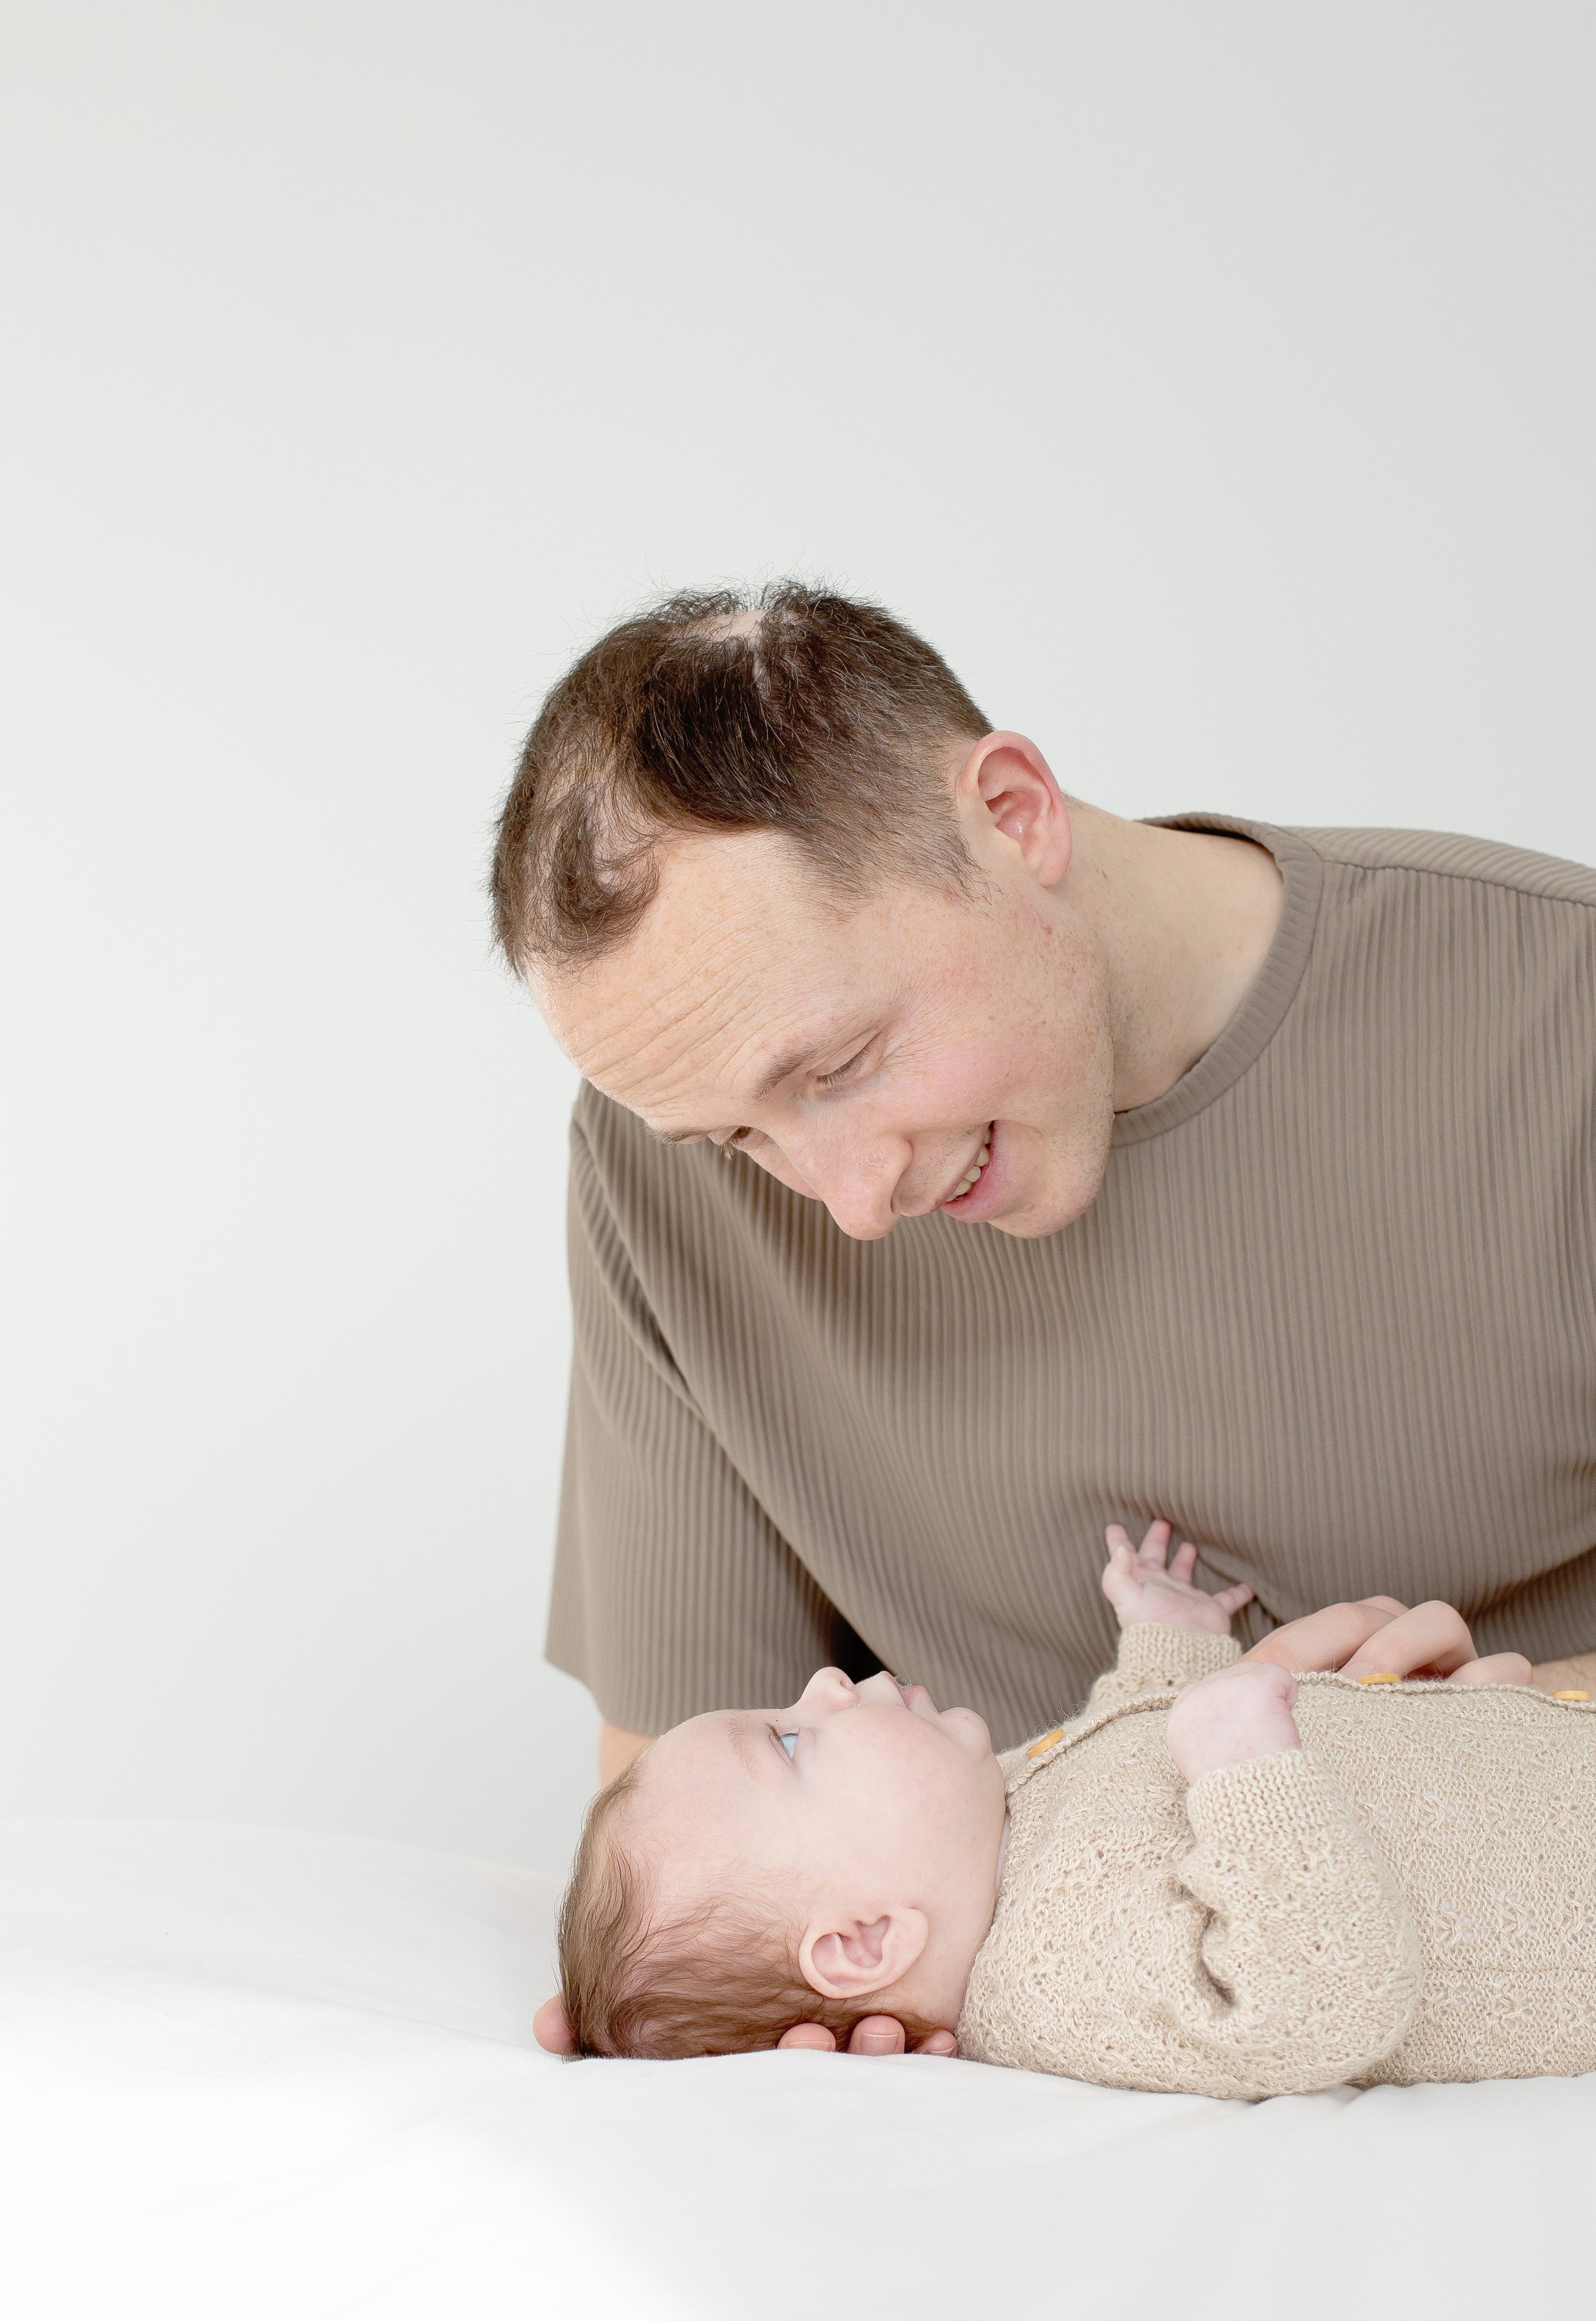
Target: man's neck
point(1184, 920)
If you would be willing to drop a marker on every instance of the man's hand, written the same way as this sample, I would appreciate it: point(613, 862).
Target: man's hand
point(1379, 1636)
point(875, 2035)
point(551, 2027)
point(1241, 1711)
point(872, 2035)
point(616, 1749)
point(1139, 1588)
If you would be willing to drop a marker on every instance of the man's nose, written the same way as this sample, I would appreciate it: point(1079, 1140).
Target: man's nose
point(857, 1184)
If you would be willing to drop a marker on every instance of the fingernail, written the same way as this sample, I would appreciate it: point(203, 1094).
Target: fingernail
point(876, 2042)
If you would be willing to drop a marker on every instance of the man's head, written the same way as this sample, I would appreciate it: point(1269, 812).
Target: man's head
point(812, 1863)
point(776, 884)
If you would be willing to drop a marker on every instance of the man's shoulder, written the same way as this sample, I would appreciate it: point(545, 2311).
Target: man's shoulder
point(1442, 855)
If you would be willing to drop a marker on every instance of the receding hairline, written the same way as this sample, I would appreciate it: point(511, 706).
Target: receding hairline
point(794, 710)
point(832, 887)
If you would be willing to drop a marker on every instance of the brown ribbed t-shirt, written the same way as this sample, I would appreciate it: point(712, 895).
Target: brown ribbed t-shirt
point(1332, 1312)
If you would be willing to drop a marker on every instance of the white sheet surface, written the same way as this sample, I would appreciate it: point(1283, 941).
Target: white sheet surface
point(249, 2073)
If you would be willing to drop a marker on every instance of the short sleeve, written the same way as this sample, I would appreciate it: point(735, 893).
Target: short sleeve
point(673, 1591)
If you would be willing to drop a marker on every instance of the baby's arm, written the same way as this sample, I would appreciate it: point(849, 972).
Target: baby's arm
point(1171, 1632)
point(1276, 1954)
point(1269, 1953)
point(1305, 1969)
point(1290, 1961)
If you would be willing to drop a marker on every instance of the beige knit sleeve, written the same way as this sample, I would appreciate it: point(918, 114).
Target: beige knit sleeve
point(1304, 1969)
point(1262, 1949)
point(1156, 1658)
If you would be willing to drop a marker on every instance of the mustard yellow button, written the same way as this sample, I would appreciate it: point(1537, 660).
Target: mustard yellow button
point(1047, 1741)
point(1380, 1676)
point(1572, 1694)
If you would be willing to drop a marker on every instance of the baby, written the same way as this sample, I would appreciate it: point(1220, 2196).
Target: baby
point(1222, 1877)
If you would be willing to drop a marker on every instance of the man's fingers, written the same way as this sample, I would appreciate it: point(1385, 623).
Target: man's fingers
point(1497, 1667)
point(873, 2034)
point(1433, 1636)
point(551, 2027)
point(808, 2034)
point(1323, 1640)
point(877, 2034)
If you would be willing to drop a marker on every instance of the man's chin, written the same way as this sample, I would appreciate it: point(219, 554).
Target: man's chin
point(1030, 1227)
point(1065, 1195)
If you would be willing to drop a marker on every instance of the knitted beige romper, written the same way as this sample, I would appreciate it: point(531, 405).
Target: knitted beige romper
point(1409, 1895)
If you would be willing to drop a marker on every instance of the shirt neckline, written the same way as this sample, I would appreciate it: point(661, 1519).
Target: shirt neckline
point(1261, 1014)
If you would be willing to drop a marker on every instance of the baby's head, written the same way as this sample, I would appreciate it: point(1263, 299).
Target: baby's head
point(758, 1869)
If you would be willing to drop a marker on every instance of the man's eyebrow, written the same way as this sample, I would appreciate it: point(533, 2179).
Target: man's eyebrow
point(785, 1065)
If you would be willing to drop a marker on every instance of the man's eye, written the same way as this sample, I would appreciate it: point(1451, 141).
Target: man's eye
point(789, 1741)
point(844, 1071)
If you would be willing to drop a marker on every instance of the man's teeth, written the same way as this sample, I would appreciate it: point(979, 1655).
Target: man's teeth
point(981, 1158)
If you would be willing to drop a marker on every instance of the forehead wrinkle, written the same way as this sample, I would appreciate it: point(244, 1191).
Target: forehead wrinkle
point(672, 1015)
point(719, 996)
point(717, 1051)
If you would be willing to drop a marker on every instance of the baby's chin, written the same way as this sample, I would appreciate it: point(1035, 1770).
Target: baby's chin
point(969, 1729)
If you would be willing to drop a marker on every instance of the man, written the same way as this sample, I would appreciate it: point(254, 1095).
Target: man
point(960, 1168)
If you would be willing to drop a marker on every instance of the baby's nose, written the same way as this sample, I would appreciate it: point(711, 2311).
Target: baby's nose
point(881, 1688)
point(828, 1688)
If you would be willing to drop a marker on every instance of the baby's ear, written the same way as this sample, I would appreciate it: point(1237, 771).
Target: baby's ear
point(851, 1960)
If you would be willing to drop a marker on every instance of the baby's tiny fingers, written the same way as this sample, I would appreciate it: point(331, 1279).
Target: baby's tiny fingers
point(1231, 1599)
point(1155, 1541)
point(1185, 1561)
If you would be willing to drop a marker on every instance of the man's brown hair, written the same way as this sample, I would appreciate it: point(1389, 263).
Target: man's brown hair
point(790, 710)
point(719, 1979)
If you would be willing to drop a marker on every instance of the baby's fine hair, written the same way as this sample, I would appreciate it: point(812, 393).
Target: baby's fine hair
point(719, 1979)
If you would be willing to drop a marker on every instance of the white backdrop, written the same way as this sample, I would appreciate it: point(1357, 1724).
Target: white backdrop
point(1213, 382)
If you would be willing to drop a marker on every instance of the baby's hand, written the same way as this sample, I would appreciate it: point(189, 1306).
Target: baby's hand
point(1140, 1589)
point(1241, 1711)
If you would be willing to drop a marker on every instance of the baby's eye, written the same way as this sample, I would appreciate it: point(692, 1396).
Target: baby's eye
point(789, 1741)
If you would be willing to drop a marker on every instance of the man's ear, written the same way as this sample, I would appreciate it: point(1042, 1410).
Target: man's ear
point(1007, 785)
point(851, 1960)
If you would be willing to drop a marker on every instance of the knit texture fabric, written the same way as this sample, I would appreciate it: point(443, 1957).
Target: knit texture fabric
point(1409, 1895)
